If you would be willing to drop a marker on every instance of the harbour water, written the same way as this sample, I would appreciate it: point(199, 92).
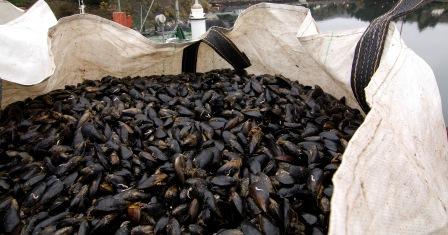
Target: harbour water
point(425, 31)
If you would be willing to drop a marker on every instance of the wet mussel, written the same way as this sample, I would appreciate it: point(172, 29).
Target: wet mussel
point(218, 152)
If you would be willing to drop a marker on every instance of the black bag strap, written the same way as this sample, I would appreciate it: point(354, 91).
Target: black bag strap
point(370, 48)
point(221, 44)
point(1, 96)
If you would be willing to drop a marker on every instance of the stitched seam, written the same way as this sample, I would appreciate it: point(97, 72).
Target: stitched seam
point(328, 49)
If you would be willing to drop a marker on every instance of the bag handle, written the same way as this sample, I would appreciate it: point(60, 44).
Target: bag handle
point(1, 96)
point(221, 44)
point(371, 45)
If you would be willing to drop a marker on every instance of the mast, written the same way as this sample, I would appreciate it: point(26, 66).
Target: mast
point(141, 15)
point(177, 11)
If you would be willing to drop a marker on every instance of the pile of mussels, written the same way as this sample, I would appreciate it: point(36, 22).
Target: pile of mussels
point(218, 152)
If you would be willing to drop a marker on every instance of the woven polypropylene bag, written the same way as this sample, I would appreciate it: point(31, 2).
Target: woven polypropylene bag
point(393, 178)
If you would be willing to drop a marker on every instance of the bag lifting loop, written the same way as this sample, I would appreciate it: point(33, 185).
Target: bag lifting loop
point(222, 45)
point(1, 96)
point(371, 45)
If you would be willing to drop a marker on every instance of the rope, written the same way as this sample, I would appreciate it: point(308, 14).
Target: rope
point(328, 48)
point(147, 13)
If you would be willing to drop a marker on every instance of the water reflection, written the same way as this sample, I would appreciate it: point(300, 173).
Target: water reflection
point(363, 10)
point(428, 16)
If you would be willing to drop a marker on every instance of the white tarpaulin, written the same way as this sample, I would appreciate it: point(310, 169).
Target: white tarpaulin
point(393, 178)
point(25, 57)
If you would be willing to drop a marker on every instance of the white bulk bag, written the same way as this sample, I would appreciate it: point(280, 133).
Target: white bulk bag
point(393, 177)
point(25, 56)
